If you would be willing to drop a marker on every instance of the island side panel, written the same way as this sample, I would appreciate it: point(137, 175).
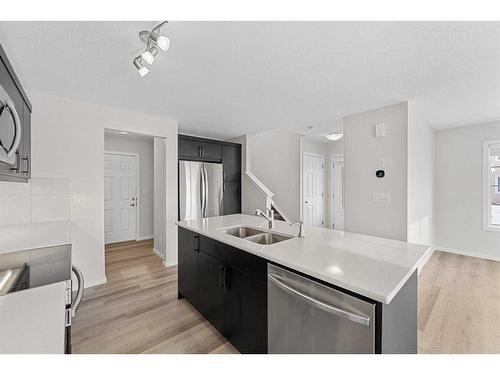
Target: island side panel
point(399, 320)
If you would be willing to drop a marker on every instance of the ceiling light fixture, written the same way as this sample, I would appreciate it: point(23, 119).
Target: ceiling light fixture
point(334, 136)
point(153, 40)
point(140, 66)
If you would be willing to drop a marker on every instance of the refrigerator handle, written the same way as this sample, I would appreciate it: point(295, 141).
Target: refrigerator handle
point(203, 191)
point(206, 191)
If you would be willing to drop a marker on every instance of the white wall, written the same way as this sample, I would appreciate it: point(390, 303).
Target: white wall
point(275, 160)
point(458, 191)
point(420, 178)
point(68, 142)
point(143, 146)
point(361, 150)
point(160, 236)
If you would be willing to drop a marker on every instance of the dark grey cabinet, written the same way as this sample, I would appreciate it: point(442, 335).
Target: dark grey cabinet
point(245, 311)
point(211, 151)
point(229, 154)
point(192, 148)
point(187, 268)
point(231, 289)
point(210, 289)
point(231, 200)
point(9, 84)
point(231, 159)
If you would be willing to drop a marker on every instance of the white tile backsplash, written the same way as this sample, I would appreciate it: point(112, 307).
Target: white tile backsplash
point(39, 200)
point(50, 207)
point(14, 188)
point(49, 186)
point(15, 209)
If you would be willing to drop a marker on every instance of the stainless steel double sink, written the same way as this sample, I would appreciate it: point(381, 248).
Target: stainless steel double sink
point(259, 236)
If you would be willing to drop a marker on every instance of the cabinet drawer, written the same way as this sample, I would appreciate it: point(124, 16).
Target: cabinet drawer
point(250, 264)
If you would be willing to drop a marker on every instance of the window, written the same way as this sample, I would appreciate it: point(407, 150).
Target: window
point(491, 185)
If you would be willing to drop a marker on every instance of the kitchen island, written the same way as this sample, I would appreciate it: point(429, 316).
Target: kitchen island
point(225, 272)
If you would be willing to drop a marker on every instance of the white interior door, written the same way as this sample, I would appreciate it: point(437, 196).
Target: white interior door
point(313, 189)
point(120, 197)
point(338, 192)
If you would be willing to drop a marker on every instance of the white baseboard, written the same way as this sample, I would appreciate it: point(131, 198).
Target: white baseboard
point(143, 238)
point(95, 283)
point(157, 253)
point(467, 253)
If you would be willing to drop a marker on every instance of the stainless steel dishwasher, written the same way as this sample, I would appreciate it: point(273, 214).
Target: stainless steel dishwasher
point(308, 317)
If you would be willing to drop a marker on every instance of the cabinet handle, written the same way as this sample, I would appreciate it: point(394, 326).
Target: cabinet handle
point(27, 159)
point(18, 161)
point(221, 277)
point(196, 244)
point(226, 280)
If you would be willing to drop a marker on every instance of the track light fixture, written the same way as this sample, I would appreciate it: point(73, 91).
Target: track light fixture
point(153, 40)
point(140, 66)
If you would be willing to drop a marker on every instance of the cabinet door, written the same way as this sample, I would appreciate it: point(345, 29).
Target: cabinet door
point(245, 312)
point(187, 267)
point(26, 151)
point(210, 292)
point(211, 151)
point(189, 149)
point(231, 159)
point(8, 86)
point(232, 198)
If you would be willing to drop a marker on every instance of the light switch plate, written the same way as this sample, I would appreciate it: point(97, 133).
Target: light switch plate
point(380, 163)
point(380, 130)
point(381, 197)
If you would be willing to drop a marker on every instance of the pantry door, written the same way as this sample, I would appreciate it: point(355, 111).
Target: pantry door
point(120, 197)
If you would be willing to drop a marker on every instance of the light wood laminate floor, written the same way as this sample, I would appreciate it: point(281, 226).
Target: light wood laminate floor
point(137, 311)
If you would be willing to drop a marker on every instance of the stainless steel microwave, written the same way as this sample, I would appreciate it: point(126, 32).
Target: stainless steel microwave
point(15, 125)
point(10, 130)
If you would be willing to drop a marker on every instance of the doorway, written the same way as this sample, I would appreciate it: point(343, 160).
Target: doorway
point(134, 193)
point(313, 189)
point(337, 188)
point(120, 196)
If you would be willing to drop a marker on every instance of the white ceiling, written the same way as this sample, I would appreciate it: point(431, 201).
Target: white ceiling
point(224, 79)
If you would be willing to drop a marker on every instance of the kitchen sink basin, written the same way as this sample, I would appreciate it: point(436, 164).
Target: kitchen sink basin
point(261, 237)
point(243, 232)
point(268, 238)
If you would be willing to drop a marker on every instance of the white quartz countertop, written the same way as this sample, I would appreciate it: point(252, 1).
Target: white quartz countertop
point(19, 237)
point(370, 266)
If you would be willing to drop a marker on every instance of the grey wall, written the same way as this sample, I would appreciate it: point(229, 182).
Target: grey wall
point(421, 153)
point(361, 150)
point(459, 189)
point(276, 162)
point(159, 149)
point(144, 147)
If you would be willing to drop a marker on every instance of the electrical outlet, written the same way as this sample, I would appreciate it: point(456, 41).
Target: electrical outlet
point(381, 197)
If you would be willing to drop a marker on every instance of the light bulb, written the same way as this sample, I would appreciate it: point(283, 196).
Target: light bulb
point(149, 55)
point(140, 67)
point(161, 41)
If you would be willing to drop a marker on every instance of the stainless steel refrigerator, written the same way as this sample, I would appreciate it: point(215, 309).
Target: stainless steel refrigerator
point(200, 190)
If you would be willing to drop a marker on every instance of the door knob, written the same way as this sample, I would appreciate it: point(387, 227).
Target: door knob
point(132, 204)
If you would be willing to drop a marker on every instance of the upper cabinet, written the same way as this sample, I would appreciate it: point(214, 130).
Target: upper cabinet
point(15, 125)
point(191, 148)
